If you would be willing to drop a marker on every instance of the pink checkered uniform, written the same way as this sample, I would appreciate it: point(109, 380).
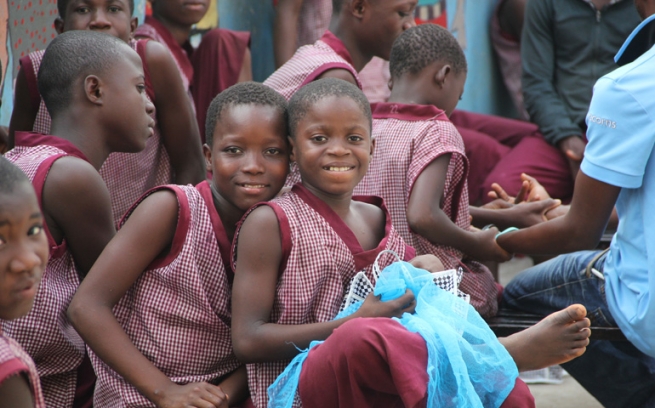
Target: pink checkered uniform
point(321, 255)
point(45, 333)
point(178, 312)
point(15, 361)
point(127, 175)
point(407, 139)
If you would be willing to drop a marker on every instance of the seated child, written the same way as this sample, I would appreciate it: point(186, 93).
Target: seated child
point(173, 154)
point(158, 320)
point(318, 236)
point(87, 80)
point(23, 256)
point(420, 162)
point(221, 59)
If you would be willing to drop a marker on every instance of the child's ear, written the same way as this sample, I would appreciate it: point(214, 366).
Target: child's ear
point(93, 89)
point(372, 146)
point(59, 25)
point(358, 7)
point(390, 84)
point(134, 23)
point(442, 74)
point(292, 148)
point(207, 152)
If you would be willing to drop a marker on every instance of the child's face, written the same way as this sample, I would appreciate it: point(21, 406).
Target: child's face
point(249, 158)
point(183, 12)
point(23, 251)
point(127, 108)
point(108, 16)
point(387, 19)
point(332, 145)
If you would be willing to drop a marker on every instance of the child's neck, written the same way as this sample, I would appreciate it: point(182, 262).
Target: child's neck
point(229, 214)
point(340, 204)
point(84, 133)
point(181, 33)
point(412, 92)
point(359, 57)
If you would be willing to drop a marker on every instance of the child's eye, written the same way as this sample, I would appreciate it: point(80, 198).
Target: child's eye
point(319, 138)
point(141, 88)
point(114, 9)
point(232, 150)
point(82, 10)
point(355, 138)
point(35, 230)
point(273, 151)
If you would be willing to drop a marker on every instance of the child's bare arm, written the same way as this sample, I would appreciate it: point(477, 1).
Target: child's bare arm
point(426, 218)
point(15, 393)
point(175, 116)
point(285, 30)
point(581, 228)
point(76, 200)
point(254, 338)
point(147, 233)
point(24, 114)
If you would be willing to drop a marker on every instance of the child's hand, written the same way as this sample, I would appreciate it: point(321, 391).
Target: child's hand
point(557, 211)
point(374, 307)
point(531, 190)
point(428, 262)
point(193, 395)
point(487, 249)
point(527, 214)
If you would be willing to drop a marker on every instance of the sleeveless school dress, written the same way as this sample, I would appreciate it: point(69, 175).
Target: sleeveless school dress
point(321, 255)
point(177, 313)
point(127, 175)
point(408, 138)
point(45, 333)
point(15, 361)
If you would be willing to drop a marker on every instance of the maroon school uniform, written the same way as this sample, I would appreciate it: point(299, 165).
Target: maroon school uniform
point(177, 313)
point(207, 70)
point(127, 175)
point(320, 256)
point(15, 361)
point(408, 138)
point(45, 333)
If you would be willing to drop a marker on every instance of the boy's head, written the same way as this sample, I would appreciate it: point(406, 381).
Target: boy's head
point(83, 71)
point(113, 17)
point(375, 24)
point(330, 127)
point(23, 243)
point(247, 150)
point(181, 12)
point(431, 54)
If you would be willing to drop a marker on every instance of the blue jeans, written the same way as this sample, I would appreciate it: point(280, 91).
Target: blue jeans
point(615, 373)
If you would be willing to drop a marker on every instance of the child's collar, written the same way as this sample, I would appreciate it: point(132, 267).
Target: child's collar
point(411, 112)
point(337, 45)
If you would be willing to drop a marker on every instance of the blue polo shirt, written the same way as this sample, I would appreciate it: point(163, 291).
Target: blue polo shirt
point(621, 134)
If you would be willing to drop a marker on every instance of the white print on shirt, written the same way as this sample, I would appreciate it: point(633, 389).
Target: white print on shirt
point(602, 121)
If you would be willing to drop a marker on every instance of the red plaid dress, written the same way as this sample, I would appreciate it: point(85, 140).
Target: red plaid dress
point(321, 255)
point(178, 312)
point(15, 361)
point(45, 333)
point(407, 139)
point(127, 175)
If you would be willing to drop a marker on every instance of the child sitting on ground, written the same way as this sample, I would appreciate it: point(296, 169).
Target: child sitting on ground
point(23, 258)
point(318, 236)
point(178, 240)
point(174, 152)
point(221, 59)
point(87, 80)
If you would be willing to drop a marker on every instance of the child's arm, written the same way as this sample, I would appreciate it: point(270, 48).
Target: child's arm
point(77, 209)
point(285, 30)
point(24, 114)
point(175, 116)
point(426, 218)
point(15, 393)
point(515, 215)
point(581, 228)
point(146, 235)
point(255, 339)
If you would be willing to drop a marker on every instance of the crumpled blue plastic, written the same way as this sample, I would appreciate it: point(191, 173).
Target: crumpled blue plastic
point(467, 365)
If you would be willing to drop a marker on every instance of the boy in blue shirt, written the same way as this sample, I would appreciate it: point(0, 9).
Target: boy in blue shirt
point(615, 286)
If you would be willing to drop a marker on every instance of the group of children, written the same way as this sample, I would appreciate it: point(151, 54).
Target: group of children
point(209, 289)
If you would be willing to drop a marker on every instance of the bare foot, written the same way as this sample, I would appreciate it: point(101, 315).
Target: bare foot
point(558, 338)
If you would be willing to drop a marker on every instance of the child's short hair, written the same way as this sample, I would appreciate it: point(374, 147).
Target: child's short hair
point(243, 93)
point(315, 91)
point(72, 55)
point(10, 176)
point(420, 46)
point(62, 4)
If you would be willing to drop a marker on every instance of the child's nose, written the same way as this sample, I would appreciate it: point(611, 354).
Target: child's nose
point(150, 108)
point(25, 259)
point(409, 23)
point(252, 164)
point(338, 149)
point(100, 21)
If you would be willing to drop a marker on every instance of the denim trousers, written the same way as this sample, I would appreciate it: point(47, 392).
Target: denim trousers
point(617, 374)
